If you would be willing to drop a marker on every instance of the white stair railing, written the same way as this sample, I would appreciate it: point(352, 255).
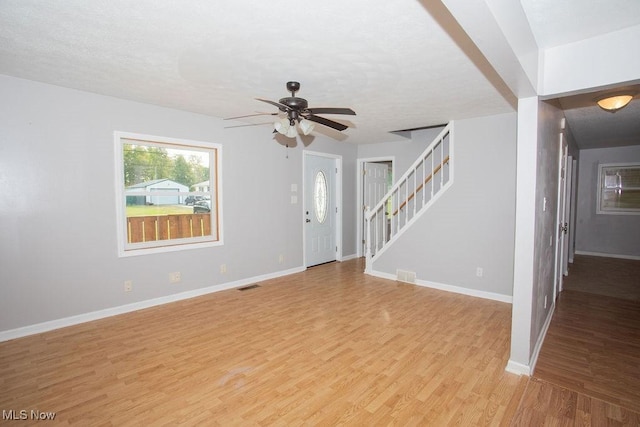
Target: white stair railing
point(425, 180)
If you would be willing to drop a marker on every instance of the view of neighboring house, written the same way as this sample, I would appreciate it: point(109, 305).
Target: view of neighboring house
point(164, 192)
point(201, 186)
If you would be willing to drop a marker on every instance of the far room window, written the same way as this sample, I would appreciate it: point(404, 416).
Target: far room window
point(619, 188)
point(167, 194)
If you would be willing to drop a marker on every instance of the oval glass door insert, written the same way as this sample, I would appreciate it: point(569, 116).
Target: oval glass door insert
point(320, 197)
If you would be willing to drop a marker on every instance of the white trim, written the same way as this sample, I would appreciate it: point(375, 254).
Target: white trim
point(349, 257)
point(448, 288)
point(601, 254)
point(338, 202)
point(127, 308)
point(517, 368)
point(466, 291)
point(360, 194)
point(613, 211)
point(381, 274)
point(541, 337)
point(124, 249)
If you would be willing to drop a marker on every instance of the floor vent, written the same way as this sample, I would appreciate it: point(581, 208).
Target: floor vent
point(406, 276)
point(246, 288)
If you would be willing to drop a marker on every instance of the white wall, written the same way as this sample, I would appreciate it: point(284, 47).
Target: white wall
point(616, 235)
point(58, 253)
point(472, 224)
point(574, 67)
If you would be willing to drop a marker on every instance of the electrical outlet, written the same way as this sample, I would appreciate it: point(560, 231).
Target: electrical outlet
point(281, 259)
point(545, 301)
point(479, 271)
point(128, 285)
point(175, 277)
point(223, 268)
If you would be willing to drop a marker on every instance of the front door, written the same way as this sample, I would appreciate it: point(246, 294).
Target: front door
point(320, 209)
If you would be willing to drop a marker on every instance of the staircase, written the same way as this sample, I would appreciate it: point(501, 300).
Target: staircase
point(421, 185)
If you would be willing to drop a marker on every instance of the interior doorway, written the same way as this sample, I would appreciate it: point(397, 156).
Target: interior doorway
point(375, 177)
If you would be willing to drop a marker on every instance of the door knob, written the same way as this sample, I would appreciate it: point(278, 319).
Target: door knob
point(308, 220)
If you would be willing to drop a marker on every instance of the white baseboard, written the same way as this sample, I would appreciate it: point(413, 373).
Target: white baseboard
point(380, 274)
point(449, 288)
point(541, 337)
point(518, 368)
point(349, 257)
point(113, 311)
point(601, 254)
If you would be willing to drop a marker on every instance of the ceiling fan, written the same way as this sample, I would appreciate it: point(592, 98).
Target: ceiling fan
point(297, 111)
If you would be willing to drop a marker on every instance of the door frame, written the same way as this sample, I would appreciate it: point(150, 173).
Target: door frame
point(560, 236)
point(574, 203)
point(568, 209)
point(337, 200)
point(360, 195)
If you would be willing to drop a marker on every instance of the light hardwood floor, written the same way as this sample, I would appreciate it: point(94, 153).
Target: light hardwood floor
point(325, 347)
point(329, 346)
point(593, 343)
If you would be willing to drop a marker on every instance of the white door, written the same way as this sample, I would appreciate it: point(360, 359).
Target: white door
point(568, 184)
point(375, 185)
point(320, 209)
point(560, 228)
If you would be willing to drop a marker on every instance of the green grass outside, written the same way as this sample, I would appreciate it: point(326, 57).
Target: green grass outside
point(142, 210)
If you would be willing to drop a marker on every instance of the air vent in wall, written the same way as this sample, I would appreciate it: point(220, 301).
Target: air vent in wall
point(406, 276)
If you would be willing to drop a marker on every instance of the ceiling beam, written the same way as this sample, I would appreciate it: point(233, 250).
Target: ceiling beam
point(501, 31)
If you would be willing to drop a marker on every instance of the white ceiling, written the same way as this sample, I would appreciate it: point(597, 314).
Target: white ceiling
point(389, 61)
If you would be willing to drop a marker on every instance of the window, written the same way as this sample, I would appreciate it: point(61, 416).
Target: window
point(320, 197)
point(619, 189)
point(167, 194)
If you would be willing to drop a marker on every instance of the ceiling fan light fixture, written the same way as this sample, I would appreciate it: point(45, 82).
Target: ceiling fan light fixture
point(615, 102)
point(291, 132)
point(306, 126)
point(282, 126)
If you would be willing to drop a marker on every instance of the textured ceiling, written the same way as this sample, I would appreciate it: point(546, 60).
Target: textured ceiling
point(595, 128)
point(389, 61)
point(558, 22)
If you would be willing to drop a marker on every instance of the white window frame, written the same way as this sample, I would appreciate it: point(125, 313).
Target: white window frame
point(126, 249)
point(601, 187)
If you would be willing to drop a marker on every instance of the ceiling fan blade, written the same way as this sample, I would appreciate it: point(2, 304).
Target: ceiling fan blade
point(247, 125)
point(282, 107)
point(251, 115)
point(348, 111)
point(326, 122)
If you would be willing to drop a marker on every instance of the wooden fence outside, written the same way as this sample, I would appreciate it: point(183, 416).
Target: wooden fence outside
point(167, 227)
